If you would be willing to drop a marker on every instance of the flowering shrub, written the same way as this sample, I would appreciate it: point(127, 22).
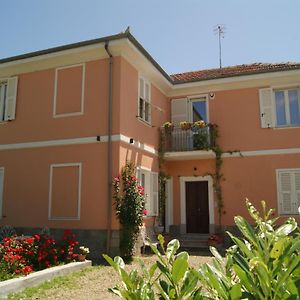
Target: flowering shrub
point(130, 202)
point(22, 255)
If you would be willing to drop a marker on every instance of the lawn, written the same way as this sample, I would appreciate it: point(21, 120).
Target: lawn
point(91, 283)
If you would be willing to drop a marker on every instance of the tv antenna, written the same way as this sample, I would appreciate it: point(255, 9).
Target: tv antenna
point(219, 29)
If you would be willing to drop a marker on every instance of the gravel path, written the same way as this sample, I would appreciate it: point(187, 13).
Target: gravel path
point(93, 283)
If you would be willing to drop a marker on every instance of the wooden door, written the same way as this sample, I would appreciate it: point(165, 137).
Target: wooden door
point(197, 209)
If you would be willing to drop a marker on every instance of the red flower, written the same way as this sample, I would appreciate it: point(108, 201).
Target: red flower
point(26, 270)
point(145, 212)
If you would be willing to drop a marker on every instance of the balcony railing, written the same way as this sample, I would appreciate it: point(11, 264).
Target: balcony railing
point(177, 139)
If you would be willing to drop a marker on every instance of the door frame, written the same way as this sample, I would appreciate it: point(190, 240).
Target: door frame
point(185, 179)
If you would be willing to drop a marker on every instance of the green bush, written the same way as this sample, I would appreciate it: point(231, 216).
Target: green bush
point(262, 264)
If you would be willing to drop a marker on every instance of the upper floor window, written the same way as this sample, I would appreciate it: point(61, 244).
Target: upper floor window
point(144, 100)
point(279, 107)
point(287, 103)
point(288, 189)
point(199, 110)
point(8, 96)
point(190, 110)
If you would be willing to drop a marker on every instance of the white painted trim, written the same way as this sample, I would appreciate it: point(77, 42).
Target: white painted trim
point(262, 152)
point(71, 114)
point(78, 141)
point(71, 51)
point(189, 155)
point(169, 204)
point(185, 179)
point(79, 165)
point(2, 170)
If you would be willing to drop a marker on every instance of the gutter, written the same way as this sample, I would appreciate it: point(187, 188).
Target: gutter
point(109, 151)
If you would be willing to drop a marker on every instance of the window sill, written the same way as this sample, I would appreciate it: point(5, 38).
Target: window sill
point(144, 122)
point(287, 127)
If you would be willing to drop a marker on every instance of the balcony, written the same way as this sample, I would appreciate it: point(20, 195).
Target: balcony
point(191, 143)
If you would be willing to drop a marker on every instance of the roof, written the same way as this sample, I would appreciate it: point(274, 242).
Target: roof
point(179, 78)
point(231, 71)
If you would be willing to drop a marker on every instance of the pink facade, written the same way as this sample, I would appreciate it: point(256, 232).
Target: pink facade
point(53, 151)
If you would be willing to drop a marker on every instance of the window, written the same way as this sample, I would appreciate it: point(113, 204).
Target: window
point(149, 180)
point(1, 190)
point(8, 95)
point(189, 109)
point(199, 110)
point(144, 100)
point(279, 107)
point(288, 189)
point(287, 104)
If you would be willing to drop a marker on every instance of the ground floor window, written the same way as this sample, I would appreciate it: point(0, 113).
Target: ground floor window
point(288, 189)
point(149, 180)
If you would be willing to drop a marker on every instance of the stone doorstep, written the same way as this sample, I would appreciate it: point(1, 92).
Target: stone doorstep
point(18, 284)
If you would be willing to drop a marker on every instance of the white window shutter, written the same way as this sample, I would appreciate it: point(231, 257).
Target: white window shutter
point(147, 91)
point(285, 193)
point(11, 97)
point(1, 190)
point(179, 111)
point(142, 89)
point(297, 192)
point(154, 185)
point(266, 108)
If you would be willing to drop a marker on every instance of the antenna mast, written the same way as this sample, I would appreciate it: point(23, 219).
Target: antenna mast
point(220, 31)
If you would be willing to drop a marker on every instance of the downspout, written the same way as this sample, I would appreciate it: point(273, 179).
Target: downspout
point(109, 152)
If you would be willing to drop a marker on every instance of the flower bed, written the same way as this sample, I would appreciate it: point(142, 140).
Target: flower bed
point(20, 255)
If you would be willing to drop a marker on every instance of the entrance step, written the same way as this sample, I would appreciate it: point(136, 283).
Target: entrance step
point(195, 241)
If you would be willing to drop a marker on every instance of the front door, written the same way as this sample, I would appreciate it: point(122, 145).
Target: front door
point(197, 209)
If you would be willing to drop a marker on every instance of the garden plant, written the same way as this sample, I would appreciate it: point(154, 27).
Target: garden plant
point(263, 263)
point(22, 255)
point(130, 203)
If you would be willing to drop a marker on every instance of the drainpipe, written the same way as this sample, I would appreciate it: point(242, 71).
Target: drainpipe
point(109, 151)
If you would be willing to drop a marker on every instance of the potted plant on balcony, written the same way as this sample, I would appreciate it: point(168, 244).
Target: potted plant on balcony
point(199, 124)
point(185, 125)
point(168, 126)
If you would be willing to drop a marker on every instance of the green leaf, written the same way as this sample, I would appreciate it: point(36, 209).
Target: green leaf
point(172, 248)
point(236, 292)
point(190, 282)
point(286, 229)
point(152, 270)
point(246, 230)
point(180, 266)
point(277, 248)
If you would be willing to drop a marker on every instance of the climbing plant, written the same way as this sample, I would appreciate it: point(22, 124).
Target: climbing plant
point(130, 202)
point(217, 175)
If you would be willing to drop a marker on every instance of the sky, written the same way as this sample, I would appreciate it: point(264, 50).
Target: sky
point(178, 34)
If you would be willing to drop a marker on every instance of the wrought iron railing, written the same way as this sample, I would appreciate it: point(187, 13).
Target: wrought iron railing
point(195, 138)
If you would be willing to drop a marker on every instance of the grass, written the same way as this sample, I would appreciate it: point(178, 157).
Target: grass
point(65, 282)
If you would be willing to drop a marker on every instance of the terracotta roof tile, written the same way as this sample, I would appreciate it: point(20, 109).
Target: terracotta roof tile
point(232, 71)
